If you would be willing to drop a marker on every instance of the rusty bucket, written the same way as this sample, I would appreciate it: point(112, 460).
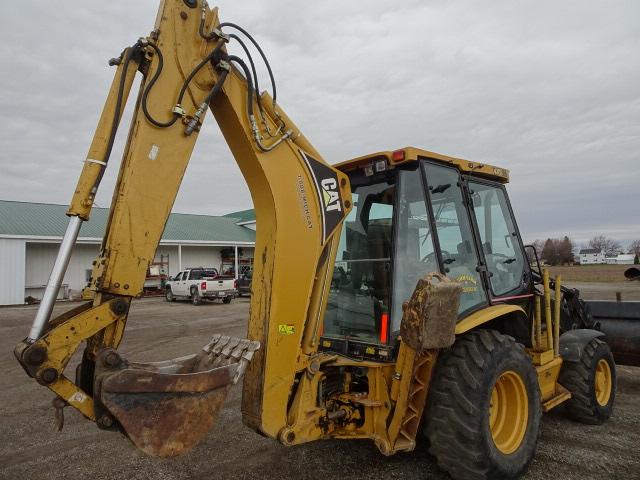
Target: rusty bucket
point(166, 408)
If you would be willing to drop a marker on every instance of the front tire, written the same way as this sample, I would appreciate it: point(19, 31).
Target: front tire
point(484, 410)
point(592, 383)
point(169, 295)
point(195, 297)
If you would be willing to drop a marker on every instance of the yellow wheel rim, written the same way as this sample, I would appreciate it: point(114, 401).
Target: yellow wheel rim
point(603, 382)
point(508, 412)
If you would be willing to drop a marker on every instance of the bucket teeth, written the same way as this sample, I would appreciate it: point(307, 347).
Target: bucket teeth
point(207, 348)
point(229, 347)
point(220, 344)
point(237, 352)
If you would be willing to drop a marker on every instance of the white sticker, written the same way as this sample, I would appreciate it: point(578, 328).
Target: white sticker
point(78, 397)
point(153, 153)
point(99, 162)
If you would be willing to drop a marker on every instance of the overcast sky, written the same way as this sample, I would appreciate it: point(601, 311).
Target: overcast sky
point(547, 89)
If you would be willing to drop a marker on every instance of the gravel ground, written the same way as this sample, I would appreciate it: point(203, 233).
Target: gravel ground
point(31, 448)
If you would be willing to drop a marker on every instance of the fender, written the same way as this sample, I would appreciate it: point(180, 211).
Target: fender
point(572, 343)
point(486, 315)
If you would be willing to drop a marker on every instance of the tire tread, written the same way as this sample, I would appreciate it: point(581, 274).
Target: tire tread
point(454, 439)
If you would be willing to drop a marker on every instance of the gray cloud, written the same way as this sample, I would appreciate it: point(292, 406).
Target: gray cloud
point(550, 90)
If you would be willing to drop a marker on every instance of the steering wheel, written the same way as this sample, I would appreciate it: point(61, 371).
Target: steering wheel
point(431, 257)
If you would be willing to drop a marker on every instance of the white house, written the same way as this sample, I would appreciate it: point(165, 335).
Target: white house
point(625, 259)
point(591, 256)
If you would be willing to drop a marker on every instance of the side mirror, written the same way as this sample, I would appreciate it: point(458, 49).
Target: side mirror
point(532, 254)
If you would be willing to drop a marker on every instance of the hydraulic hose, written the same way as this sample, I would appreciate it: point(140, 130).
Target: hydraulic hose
point(128, 55)
point(217, 87)
point(247, 74)
point(254, 126)
point(195, 121)
point(264, 57)
point(148, 88)
point(256, 85)
point(183, 89)
point(253, 66)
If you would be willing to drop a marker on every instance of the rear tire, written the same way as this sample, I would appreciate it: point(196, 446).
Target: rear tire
point(195, 296)
point(592, 383)
point(227, 299)
point(168, 295)
point(483, 413)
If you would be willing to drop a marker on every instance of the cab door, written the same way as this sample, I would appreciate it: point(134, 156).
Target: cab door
point(457, 245)
point(180, 284)
point(508, 272)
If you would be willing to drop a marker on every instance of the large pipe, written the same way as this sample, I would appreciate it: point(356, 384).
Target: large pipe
point(620, 322)
point(55, 279)
point(632, 273)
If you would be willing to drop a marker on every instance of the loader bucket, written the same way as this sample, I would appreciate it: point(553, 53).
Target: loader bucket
point(166, 408)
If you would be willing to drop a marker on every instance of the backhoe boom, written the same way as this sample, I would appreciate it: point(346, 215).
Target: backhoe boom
point(186, 71)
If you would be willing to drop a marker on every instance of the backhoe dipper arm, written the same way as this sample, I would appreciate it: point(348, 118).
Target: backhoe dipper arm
point(300, 203)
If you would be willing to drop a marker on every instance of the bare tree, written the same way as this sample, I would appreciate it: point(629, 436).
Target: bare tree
point(634, 247)
point(553, 251)
point(606, 244)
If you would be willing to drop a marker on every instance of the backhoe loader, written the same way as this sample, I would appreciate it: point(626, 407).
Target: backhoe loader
point(391, 299)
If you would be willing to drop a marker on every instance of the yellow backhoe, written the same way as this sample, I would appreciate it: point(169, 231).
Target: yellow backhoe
point(392, 296)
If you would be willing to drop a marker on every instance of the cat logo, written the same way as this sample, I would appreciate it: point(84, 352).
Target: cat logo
point(325, 181)
point(330, 194)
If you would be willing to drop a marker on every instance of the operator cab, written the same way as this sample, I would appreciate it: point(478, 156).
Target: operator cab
point(417, 212)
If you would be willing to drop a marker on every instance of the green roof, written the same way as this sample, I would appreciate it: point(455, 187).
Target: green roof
point(49, 220)
point(243, 216)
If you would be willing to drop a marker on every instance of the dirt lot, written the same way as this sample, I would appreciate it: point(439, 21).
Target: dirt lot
point(32, 449)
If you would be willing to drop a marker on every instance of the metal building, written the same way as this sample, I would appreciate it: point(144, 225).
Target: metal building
point(30, 234)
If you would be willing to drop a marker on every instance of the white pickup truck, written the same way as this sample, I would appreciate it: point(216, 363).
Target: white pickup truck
point(199, 284)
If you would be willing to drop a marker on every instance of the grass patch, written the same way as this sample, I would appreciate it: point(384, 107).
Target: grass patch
point(591, 273)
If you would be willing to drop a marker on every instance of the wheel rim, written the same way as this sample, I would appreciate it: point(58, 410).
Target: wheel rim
point(508, 412)
point(603, 382)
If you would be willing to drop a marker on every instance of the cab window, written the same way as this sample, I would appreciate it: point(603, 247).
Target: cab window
point(500, 245)
point(359, 299)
